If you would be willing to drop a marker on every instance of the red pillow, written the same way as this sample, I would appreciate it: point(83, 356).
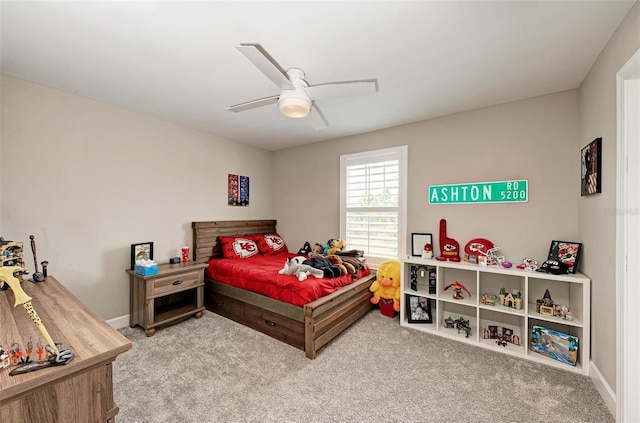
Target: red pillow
point(270, 244)
point(238, 246)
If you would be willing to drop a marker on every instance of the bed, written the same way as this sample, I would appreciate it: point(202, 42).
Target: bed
point(308, 327)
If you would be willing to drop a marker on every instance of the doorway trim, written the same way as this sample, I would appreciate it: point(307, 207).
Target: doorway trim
point(627, 238)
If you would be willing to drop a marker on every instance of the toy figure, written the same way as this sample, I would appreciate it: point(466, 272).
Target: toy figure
point(458, 287)
point(427, 251)
point(387, 287)
point(528, 264)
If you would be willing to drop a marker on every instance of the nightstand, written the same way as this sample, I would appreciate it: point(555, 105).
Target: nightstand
point(175, 293)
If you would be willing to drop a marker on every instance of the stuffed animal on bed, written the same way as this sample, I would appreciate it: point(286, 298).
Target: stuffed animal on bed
point(321, 262)
point(386, 288)
point(345, 268)
point(294, 266)
point(335, 245)
point(305, 250)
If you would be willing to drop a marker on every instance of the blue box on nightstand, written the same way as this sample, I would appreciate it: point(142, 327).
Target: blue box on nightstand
point(147, 271)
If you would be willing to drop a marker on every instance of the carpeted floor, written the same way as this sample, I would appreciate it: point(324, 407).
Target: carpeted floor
point(215, 370)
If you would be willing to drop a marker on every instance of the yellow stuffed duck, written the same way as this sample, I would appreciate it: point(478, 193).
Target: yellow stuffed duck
point(387, 287)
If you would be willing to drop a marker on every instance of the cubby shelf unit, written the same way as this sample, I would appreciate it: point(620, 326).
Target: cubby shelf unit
point(572, 290)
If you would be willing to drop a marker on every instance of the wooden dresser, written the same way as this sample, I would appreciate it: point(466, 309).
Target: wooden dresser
point(81, 391)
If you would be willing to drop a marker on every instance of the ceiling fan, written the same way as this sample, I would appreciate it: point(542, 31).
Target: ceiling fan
point(297, 99)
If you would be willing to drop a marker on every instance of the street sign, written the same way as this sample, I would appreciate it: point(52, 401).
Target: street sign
point(480, 192)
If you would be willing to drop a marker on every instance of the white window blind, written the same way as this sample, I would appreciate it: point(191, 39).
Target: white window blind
point(372, 206)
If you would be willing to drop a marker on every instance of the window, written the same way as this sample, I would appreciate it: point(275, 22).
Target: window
point(373, 202)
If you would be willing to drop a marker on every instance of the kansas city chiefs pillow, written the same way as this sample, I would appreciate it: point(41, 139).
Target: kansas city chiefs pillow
point(270, 244)
point(238, 246)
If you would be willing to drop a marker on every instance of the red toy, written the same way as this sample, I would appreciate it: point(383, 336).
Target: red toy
point(478, 246)
point(449, 247)
point(458, 287)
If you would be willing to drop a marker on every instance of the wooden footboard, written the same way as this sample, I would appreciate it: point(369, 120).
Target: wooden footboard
point(328, 316)
point(309, 327)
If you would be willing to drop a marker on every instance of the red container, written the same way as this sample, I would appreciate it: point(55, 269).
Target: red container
point(185, 253)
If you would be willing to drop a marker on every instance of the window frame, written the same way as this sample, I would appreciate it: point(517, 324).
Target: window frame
point(402, 151)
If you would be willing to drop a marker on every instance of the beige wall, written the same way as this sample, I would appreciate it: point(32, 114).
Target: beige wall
point(535, 139)
point(596, 213)
point(89, 179)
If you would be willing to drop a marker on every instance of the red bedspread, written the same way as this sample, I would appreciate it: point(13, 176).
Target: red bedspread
point(260, 274)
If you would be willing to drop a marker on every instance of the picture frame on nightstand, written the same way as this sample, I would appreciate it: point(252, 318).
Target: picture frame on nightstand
point(143, 250)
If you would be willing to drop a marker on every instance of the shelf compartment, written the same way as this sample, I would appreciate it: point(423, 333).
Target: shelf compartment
point(559, 347)
point(421, 279)
point(492, 324)
point(455, 311)
point(468, 278)
point(428, 307)
point(512, 288)
point(570, 294)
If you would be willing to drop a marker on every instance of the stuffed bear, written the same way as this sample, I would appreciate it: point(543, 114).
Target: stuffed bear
point(337, 261)
point(335, 245)
point(294, 266)
point(320, 262)
point(349, 268)
point(387, 284)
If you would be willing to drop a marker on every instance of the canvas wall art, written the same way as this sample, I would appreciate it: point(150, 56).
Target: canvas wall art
point(591, 164)
point(238, 190)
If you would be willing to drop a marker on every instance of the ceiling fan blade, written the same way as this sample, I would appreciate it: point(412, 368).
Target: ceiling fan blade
point(253, 104)
point(343, 89)
point(266, 64)
point(317, 119)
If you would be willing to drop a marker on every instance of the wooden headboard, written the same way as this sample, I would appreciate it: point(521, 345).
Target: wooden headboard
point(205, 235)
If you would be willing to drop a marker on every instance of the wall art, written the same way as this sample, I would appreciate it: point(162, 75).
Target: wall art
point(591, 168)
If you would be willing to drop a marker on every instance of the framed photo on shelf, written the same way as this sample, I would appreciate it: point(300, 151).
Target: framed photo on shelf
point(567, 253)
point(591, 168)
point(418, 241)
point(141, 251)
point(418, 309)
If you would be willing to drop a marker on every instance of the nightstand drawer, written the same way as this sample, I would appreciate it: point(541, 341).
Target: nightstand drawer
point(177, 282)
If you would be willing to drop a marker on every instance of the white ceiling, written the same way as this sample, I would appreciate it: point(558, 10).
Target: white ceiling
point(178, 61)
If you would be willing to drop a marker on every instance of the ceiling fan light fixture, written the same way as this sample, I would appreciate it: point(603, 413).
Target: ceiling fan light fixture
point(294, 106)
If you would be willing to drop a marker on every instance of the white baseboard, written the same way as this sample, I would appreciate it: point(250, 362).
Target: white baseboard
point(119, 322)
point(603, 388)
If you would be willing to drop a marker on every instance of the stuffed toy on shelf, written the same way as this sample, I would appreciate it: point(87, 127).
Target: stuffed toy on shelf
point(386, 288)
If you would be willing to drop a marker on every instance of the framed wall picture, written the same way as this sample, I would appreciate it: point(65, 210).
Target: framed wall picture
point(591, 168)
point(418, 242)
point(141, 251)
point(237, 190)
point(418, 309)
point(566, 252)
